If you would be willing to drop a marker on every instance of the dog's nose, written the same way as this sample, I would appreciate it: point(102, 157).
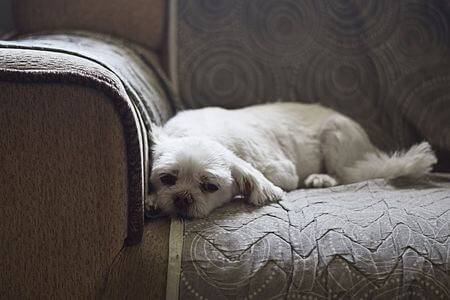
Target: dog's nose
point(182, 201)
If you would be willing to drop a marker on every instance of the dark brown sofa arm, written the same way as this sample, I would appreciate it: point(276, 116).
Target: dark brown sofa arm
point(73, 157)
point(64, 188)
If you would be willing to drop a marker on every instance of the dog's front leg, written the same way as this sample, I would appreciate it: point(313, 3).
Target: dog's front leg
point(252, 184)
point(282, 173)
point(151, 209)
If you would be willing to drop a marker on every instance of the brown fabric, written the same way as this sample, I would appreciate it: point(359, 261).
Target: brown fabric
point(137, 68)
point(69, 258)
point(41, 66)
point(141, 85)
point(64, 184)
point(140, 21)
point(140, 272)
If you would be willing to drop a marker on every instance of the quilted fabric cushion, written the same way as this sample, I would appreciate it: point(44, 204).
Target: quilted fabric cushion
point(368, 240)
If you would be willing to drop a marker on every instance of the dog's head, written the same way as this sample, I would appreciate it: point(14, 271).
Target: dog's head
point(191, 176)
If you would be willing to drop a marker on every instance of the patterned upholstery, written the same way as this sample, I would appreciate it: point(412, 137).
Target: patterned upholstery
point(362, 241)
point(385, 63)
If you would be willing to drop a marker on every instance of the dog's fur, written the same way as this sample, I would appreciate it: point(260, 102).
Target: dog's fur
point(261, 151)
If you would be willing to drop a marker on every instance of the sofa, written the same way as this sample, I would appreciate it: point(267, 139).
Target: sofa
point(81, 82)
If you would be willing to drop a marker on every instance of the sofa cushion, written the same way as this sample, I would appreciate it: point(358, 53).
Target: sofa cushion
point(369, 240)
point(140, 21)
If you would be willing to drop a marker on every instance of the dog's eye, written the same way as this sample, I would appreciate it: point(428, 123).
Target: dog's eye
point(168, 179)
point(209, 187)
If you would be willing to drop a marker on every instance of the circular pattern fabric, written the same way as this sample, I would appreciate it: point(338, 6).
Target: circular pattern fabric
point(350, 55)
point(272, 27)
point(208, 15)
point(349, 85)
point(356, 26)
point(422, 100)
point(422, 34)
point(218, 73)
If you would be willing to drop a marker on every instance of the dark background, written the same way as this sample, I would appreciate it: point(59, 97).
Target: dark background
point(6, 21)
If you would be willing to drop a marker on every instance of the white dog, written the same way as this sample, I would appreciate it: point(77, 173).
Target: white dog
point(204, 158)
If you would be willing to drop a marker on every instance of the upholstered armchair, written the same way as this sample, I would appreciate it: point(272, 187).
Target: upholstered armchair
point(82, 81)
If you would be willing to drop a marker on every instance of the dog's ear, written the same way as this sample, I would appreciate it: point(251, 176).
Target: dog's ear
point(157, 134)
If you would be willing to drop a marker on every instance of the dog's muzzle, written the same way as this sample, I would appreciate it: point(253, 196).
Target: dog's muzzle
point(182, 201)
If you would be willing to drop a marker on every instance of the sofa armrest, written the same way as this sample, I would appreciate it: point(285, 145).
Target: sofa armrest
point(72, 158)
point(63, 186)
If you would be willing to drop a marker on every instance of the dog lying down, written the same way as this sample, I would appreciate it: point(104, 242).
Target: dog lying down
point(204, 158)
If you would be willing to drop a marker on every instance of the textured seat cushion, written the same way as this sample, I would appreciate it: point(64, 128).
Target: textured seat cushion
point(367, 240)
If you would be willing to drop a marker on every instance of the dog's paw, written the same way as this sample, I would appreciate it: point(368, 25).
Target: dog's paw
point(320, 181)
point(151, 210)
point(265, 194)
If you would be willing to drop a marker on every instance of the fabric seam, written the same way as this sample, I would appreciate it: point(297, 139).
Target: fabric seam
point(175, 255)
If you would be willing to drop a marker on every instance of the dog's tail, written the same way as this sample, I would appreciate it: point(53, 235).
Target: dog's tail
point(414, 163)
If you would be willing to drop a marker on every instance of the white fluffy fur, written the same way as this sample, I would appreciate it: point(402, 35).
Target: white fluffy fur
point(262, 150)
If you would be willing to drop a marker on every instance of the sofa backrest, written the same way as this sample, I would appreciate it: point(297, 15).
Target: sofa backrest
point(385, 63)
point(140, 21)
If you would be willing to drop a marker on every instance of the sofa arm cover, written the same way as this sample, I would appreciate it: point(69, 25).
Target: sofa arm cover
point(73, 160)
